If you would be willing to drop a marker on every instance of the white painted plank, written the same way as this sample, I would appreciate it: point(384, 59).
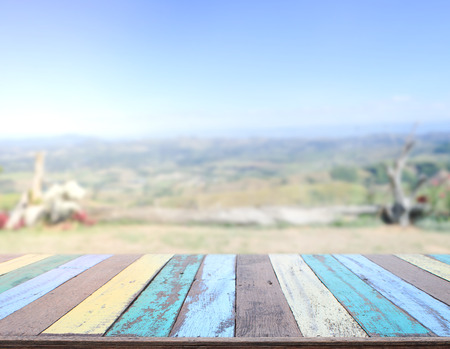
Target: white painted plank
point(315, 309)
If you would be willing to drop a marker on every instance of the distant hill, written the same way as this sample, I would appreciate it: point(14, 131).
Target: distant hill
point(210, 172)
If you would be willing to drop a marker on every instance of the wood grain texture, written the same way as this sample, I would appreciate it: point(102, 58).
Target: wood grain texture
point(315, 309)
point(19, 262)
point(34, 318)
point(235, 343)
point(19, 276)
point(377, 315)
point(261, 308)
point(429, 311)
point(209, 309)
point(429, 264)
point(154, 312)
point(7, 257)
point(23, 294)
point(427, 282)
point(97, 312)
point(444, 258)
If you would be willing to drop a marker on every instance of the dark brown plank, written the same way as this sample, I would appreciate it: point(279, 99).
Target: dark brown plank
point(261, 308)
point(235, 343)
point(7, 257)
point(37, 316)
point(427, 282)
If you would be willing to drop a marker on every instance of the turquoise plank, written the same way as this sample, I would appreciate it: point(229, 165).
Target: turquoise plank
point(19, 276)
point(445, 258)
point(154, 312)
point(23, 294)
point(373, 312)
point(432, 313)
point(209, 307)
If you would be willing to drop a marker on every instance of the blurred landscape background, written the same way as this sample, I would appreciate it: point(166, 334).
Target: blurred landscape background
point(137, 190)
point(234, 126)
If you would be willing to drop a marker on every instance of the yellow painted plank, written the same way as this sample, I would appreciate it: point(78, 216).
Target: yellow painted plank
point(315, 309)
point(97, 312)
point(429, 264)
point(22, 261)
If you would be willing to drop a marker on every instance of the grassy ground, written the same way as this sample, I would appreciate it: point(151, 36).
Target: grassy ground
point(138, 238)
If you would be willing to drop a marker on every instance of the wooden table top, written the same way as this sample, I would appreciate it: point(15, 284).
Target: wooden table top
point(259, 301)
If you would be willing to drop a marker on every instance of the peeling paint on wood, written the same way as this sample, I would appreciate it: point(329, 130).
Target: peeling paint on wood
point(377, 315)
point(427, 282)
point(421, 306)
point(209, 307)
point(34, 318)
point(429, 264)
point(205, 307)
point(97, 312)
point(154, 312)
point(267, 314)
point(316, 310)
point(23, 294)
point(19, 276)
point(19, 262)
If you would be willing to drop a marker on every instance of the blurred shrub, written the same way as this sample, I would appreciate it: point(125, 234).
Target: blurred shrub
point(442, 148)
point(378, 172)
point(344, 173)
point(427, 168)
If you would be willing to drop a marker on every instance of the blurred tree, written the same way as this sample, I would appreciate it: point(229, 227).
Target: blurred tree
point(404, 210)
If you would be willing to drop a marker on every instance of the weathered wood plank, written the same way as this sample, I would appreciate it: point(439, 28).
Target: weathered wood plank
point(7, 257)
point(19, 262)
point(154, 312)
point(235, 343)
point(429, 264)
point(427, 282)
point(444, 258)
point(315, 309)
point(261, 308)
point(22, 295)
point(208, 310)
point(97, 312)
point(377, 315)
point(19, 276)
point(40, 314)
point(429, 311)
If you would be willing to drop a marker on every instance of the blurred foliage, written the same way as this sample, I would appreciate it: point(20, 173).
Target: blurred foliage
point(378, 173)
point(443, 148)
point(344, 173)
point(427, 168)
point(8, 201)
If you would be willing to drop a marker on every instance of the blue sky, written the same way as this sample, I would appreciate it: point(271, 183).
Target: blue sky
point(134, 68)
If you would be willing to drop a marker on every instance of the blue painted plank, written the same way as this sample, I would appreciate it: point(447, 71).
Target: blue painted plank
point(209, 307)
point(154, 312)
point(19, 276)
point(23, 294)
point(432, 313)
point(373, 312)
point(445, 258)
